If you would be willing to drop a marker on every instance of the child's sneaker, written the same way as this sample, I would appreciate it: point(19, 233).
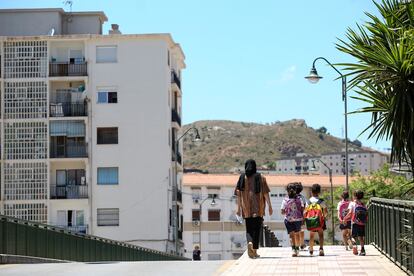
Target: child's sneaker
point(321, 252)
point(362, 253)
point(355, 250)
point(294, 253)
point(311, 251)
point(250, 250)
point(302, 247)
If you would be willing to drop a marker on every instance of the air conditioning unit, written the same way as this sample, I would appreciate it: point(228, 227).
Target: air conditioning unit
point(196, 223)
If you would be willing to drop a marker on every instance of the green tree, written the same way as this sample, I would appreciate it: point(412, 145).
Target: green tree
point(383, 74)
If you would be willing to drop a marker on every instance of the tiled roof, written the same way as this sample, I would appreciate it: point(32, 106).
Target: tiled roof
point(230, 180)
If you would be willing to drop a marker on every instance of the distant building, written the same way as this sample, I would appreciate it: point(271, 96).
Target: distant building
point(216, 230)
point(88, 125)
point(363, 162)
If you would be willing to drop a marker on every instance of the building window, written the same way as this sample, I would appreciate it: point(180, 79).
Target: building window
point(214, 257)
point(108, 176)
point(196, 237)
point(196, 215)
point(214, 238)
point(213, 192)
point(107, 97)
point(107, 216)
point(107, 135)
point(106, 54)
point(213, 215)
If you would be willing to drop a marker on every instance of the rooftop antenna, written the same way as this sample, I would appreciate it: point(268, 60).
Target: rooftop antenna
point(69, 3)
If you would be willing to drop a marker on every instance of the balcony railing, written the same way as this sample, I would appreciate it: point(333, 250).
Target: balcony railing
point(69, 150)
point(80, 229)
point(175, 117)
point(68, 191)
point(175, 79)
point(68, 109)
point(66, 69)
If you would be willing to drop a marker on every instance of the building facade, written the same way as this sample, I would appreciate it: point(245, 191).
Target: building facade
point(362, 162)
point(88, 125)
point(210, 220)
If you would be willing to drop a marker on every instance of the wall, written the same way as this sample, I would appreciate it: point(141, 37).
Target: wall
point(143, 151)
point(81, 24)
point(29, 23)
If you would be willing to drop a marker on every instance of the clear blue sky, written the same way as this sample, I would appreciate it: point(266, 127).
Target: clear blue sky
point(246, 59)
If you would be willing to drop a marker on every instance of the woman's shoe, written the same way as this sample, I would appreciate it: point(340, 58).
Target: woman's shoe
point(250, 250)
point(255, 254)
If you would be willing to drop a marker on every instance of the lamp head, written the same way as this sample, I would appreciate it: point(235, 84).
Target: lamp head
point(313, 76)
point(197, 137)
point(213, 202)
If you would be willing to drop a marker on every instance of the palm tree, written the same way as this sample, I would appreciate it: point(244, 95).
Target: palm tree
point(383, 74)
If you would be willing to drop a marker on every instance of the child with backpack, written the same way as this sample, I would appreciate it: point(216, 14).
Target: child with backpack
point(345, 225)
point(358, 213)
point(293, 211)
point(299, 189)
point(315, 213)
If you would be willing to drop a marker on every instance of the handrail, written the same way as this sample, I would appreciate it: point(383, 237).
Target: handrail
point(53, 231)
point(390, 228)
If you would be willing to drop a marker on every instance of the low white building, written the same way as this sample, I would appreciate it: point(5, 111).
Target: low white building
point(362, 162)
point(88, 125)
point(216, 230)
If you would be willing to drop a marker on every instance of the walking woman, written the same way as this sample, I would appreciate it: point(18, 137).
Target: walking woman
point(252, 195)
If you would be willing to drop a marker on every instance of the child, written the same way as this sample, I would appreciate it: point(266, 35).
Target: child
point(345, 225)
point(316, 202)
point(299, 189)
point(292, 209)
point(358, 214)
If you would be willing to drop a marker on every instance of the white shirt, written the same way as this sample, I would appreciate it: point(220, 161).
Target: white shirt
point(315, 200)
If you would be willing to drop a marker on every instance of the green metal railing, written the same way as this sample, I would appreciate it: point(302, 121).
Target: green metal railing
point(19, 237)
point(390, 228)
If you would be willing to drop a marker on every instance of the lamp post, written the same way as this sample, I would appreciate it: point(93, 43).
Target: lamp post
point(174, 211)
point(213, 203)
point(313, 77)
point(332, 202)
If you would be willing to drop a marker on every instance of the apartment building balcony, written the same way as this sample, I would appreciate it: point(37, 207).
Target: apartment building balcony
point(175, 79)
point(175, 117)
point(68, 192)
point(77, 109)
point(80, 229)
point(70, 149)
point(68, 69)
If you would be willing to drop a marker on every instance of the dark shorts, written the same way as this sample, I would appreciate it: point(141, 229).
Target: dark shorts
point(345, 226)
point(358, 230)
point(293, 226)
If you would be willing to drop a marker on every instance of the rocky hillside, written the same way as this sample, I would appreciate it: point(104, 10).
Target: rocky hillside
point(226, 145)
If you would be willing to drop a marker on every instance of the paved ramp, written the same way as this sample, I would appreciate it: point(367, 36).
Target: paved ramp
point(273, 261)
point(336, 262)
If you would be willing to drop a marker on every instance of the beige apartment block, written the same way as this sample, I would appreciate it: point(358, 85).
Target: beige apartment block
point(217, 230)
point(360, 162)
point(88, 125)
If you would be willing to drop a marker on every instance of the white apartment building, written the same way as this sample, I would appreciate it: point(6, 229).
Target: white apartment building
point(88, 124)
point(362, 162)
point(216, 230)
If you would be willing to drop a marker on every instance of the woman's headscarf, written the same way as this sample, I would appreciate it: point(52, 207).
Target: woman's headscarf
point(249, 170)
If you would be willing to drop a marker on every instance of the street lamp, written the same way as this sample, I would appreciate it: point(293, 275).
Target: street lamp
point(313, 77)
point(174, 211)
point(313, 168)
point(212, 203)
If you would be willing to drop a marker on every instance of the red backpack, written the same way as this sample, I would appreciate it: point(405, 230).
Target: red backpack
point(343, 208)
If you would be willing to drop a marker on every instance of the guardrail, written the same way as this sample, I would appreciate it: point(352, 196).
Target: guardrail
point(390, 229)
point(20, 237)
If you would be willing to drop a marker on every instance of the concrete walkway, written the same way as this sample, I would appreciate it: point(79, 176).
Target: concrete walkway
point(336, 262)
point(273, 261)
